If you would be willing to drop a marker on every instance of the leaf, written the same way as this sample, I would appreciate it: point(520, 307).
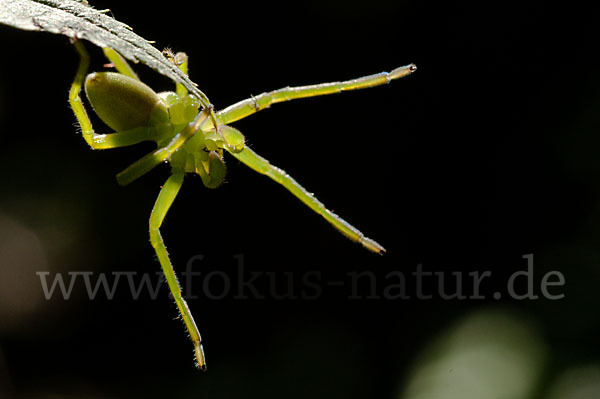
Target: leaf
point(78, 20)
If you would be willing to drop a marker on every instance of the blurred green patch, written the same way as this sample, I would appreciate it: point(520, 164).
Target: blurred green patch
point(494, 353)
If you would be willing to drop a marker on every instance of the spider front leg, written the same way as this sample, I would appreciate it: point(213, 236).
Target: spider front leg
point(261, 165)
point(252, 105)
point(94, 140)
point(166, 197)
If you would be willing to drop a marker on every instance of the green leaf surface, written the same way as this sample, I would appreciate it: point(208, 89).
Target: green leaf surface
point(77, 19)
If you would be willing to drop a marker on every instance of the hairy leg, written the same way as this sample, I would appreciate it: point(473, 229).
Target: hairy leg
point(252, 105)
point(261, 165)
point(164, 201)
point(97, 141)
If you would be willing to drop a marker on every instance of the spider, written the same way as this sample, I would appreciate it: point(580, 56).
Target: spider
point(192, 141)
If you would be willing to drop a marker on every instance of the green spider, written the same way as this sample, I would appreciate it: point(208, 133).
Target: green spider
point(192, 141)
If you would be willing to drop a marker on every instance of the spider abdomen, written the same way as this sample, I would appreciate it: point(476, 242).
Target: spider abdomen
point(124, 103)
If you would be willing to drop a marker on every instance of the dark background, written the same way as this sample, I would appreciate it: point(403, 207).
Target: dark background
point(487, 153)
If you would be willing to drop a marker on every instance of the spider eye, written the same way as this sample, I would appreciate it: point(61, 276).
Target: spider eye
point(124, 103)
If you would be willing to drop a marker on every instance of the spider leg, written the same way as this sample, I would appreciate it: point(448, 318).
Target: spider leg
point(181, 60)
point(97, 141)
point(261, 165)
point(252, 105)
point(153, 159)
point(121, 65)
point(123, 138)
point(164, 201)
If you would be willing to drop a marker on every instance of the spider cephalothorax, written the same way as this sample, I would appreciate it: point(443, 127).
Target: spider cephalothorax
point(128, 105)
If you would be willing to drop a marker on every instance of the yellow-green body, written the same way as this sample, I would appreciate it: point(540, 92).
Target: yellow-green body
point(126, 104)
point(192, 140)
